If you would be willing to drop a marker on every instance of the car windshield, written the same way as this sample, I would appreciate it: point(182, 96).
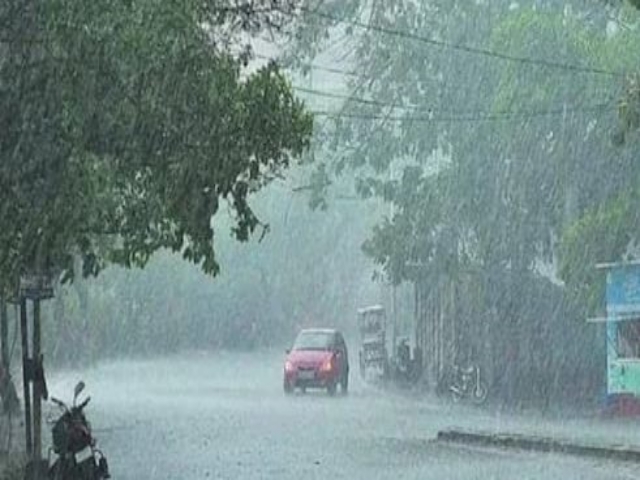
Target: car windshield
point(313, 341)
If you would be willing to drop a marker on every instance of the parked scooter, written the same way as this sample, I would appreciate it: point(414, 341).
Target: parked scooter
point(74, 446)
point(406, 370)
point(467, 383)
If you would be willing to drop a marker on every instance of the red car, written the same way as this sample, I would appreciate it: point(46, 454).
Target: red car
point(318, 359)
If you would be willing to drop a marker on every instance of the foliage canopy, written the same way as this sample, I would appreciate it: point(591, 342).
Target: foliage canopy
point(125, 124)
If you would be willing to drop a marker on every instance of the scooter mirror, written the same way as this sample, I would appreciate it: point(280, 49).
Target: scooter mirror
point(77, 390)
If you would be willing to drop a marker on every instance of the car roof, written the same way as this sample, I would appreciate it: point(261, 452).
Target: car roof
point(371, 309)
point(319, 330)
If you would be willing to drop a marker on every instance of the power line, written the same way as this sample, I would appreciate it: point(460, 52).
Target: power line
point(465, 116)
point(416, 108)
point(463, 48)
point(471, 117)
point(315, 66)
point(364, 101)
point(338, 96)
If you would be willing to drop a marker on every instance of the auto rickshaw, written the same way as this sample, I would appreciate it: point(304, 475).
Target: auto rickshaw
point(372, 322)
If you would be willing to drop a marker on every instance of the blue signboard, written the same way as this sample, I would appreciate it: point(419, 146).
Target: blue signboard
point(623, 290)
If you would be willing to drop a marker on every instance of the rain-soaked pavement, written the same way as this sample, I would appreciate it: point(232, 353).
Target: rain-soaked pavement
point(224, 416)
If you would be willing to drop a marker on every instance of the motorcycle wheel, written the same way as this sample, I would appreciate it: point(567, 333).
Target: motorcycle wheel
point(456, 396)
point(54, 471)
point(479, 394)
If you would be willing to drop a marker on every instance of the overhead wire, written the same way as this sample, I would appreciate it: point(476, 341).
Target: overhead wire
point(429, 115)
point(315, 66)
point(359, 84)
point(426, 110)
point(470, 49)
point(338, 96)
point(470, 116)
point(439, 43)
point(337, 71)
point(352, 98)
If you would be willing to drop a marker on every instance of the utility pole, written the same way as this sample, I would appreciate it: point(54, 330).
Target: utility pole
point(34, 288)
point(4, 334)
point(26, 375)
point(395, 320)
point(36, 360)
point(393, 285)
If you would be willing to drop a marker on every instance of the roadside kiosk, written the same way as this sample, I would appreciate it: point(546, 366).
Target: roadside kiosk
point(622, 324)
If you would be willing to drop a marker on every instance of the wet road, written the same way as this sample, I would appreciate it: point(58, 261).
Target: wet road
point(224, 416)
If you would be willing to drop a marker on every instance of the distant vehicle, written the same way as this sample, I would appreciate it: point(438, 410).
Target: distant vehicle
point(372, 322)
point(318, 359)
point(402, 368)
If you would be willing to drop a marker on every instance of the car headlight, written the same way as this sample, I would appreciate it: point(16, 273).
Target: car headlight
point(288, 366)
point(327, 365)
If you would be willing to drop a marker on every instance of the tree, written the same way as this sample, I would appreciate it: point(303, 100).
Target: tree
point(437, 96)
point(500, 120)
point(541, 91)
point(126, 124)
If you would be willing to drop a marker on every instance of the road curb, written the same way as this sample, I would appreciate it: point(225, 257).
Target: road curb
point(539, 444)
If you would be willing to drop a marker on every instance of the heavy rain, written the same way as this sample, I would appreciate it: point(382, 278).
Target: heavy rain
point(354, 239)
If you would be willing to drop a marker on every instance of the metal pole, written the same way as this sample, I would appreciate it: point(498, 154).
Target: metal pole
point(393, 298)
point(4, 334)
point(417, 322)
point(26, 373)
point(37, 392)
point(395, 321)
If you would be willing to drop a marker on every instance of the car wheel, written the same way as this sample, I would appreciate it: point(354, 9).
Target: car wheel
point(288, 388)
point(331, 388)
point(344, 384)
